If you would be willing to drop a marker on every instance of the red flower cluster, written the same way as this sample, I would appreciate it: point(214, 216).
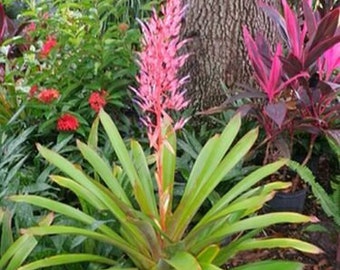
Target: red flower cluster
point(33, 90)
point(67, 122)
point(49, 44)
point(97, 100)
point(48, 95)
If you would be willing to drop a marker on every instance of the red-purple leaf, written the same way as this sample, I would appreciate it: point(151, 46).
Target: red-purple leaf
point(331, 113)
point(264, 50)
point(276, 111)
point(291, 65)
point(254, 55)
point(310, 128)
point(304, 98)
point(275, 74)
point(326, 28)
point(3, 23)
point(276, 17)
point(325, 88)
point(244, 110)
point(309, 18)
point(293, 29)
point(312, 55)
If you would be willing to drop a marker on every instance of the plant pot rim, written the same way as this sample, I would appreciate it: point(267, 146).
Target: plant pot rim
point(291, 194)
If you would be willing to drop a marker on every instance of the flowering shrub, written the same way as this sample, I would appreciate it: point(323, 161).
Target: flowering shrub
point(77, 50)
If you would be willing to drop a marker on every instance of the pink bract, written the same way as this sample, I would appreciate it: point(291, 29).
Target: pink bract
point(160, 88)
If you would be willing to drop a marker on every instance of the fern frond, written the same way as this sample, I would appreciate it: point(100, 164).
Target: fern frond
point(328, 205)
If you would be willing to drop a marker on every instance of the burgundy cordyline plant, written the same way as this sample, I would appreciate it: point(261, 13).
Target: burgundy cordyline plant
point(160, 88)
point(269, 78)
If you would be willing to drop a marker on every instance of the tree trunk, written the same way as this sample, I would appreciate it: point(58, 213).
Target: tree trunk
point(216, 47)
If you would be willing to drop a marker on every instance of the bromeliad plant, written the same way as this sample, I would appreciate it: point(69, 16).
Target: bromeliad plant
point(153, 231)
point(9, 248)
point(172, 241)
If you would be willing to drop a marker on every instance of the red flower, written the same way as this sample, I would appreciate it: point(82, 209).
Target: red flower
point(97, 100)
point(49, 44)
point(33, 90)
point(67, 122)
point(48, 95)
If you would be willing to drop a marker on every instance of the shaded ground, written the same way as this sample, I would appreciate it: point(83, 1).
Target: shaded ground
point(326, 239)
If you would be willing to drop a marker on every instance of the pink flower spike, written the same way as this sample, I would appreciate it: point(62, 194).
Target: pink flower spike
point(159, 85)
point(160, 89)
point(180, 124)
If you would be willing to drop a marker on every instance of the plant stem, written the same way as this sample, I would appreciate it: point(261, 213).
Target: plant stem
point(159, 166)
point(310, 150)
point(296, 179)
point(267, 153)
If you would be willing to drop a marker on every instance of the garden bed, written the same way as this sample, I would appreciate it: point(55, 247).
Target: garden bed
point(325, 239)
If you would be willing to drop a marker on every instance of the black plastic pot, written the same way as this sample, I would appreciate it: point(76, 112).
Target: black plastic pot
point(291, 202)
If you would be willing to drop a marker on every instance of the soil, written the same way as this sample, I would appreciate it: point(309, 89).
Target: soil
point(325, 239)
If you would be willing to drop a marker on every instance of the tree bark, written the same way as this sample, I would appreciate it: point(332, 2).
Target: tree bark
point(216, 46)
